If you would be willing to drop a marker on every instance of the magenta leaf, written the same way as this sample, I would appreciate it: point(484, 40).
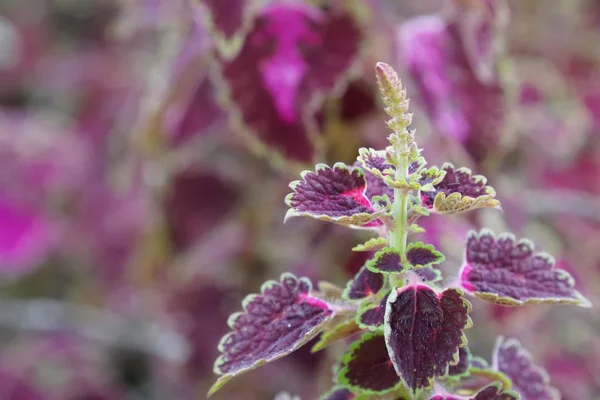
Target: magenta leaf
point(228, 21)
point(294, 53)
point(423, 332)
point(26, 237)
point(371, 316)
point(273, 324)
point(459, 191)
point(386, 261)
point(504, 271)
point(423, 255)
point(365, 284)
point(529, 380)
point(339, 393)
point(460, 105)
point(366, 366)
point(332, 194)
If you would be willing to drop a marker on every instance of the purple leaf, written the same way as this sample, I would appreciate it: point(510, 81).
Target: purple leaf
point(460, 105)
point(386, 261)
point(504, 271)
point(423, 255)
point(464, 362)
point(372, 316)
point(338, 393)
point(228, 21)
point(26, 237)
point(459, 191)
point(366, 366)
point(529, 380)
point(365, 284)
point(273, 324)
point(331, 194)
point(494, 392)
point(423, 332)
point(294, 53)
point(375, 162)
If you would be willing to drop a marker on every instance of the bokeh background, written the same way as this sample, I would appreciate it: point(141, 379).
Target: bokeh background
point(146, 147)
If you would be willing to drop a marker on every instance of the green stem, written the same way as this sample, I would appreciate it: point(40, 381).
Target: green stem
point(399, 234)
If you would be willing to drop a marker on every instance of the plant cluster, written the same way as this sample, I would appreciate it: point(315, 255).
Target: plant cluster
point(407, 323)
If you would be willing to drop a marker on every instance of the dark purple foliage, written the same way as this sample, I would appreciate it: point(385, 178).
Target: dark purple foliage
point(502, 270)
point(333, 194)
point(276, 322)
point(421, 255)
point(494, 392)
point(367, 366)
point(364, 284)
point(529, 380)
point(424, 331)
point(464, 362)
point(386, 261)
point(293, 53)
point(458, 181)
point(373, 316)
point(226, 16)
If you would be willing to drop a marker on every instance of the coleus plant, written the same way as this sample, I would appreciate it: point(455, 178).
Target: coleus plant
point(408, 326)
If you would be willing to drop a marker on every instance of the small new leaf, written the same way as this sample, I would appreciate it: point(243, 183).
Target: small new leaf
point(373, 244)
point(386, 261)
point(375, 162)
point(459, 191)
point(371, 316)
point(529, 380)
point(504, 271)
point(365, 284)
point(366, 367)
point(273, 324)
point(423, 332)
point(421, 255)
point(332, 194)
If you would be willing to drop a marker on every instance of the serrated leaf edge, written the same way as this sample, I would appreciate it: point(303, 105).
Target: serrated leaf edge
point(225, 377)
point(347, 357)
point(463, 340)
point(512, 342)
point(577, 300)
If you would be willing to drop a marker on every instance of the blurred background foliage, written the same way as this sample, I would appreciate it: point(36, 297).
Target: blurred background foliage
point(146, 147)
